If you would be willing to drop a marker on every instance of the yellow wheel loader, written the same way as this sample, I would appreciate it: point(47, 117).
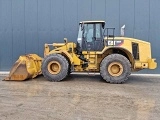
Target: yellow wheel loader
point(97, 50)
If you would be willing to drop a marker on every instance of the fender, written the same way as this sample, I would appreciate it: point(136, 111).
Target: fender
point(129, 54)
point(63, 52)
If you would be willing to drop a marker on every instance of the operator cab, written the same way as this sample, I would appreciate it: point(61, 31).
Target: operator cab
point(90, 35)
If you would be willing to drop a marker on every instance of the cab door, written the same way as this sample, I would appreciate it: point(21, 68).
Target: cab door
point(92, 39)
point(88, 37)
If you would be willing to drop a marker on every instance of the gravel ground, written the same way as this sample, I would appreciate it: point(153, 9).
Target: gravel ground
point(81, 97)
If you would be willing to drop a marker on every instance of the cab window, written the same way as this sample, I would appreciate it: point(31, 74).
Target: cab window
point(88, 32)
point(98, 31)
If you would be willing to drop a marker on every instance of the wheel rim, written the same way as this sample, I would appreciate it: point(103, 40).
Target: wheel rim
point(115, 69)
point(54, 67)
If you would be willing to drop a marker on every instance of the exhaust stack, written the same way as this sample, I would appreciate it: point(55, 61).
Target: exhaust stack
point(122, 30)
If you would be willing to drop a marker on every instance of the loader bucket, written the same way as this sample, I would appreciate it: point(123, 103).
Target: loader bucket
point(26, 67)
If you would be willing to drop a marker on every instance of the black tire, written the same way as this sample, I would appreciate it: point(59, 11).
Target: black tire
point(63, 71)
point(118, 60)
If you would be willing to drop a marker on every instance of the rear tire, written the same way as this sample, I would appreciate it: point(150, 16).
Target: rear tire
point(115, 68)
point(55, 67)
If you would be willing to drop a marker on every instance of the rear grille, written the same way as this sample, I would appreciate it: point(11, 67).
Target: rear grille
point(135, 50)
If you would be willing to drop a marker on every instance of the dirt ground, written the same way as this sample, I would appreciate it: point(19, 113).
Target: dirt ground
point(81, 97)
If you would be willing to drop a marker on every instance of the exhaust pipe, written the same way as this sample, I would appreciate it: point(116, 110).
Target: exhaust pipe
point(122, 30)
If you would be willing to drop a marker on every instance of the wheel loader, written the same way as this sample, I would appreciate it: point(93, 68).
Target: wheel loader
point(97, 51)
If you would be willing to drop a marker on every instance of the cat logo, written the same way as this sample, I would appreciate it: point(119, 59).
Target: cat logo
point(115, 42)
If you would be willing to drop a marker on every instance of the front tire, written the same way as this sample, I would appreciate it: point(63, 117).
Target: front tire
point(115, 68)
point(55, 67)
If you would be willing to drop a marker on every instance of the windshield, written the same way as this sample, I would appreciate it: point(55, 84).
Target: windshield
point(79, 39)
point(80, 32)
point(88, 32)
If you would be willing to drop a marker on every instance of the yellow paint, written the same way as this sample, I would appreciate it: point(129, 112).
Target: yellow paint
point(152, 63)
point(33, 63)
point(95, 57)
point(54, 67)
point(27, 66)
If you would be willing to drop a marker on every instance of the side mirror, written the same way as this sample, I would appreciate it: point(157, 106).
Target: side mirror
point(65, 40)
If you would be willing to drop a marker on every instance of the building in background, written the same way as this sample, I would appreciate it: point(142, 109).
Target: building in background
point(25, 25)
